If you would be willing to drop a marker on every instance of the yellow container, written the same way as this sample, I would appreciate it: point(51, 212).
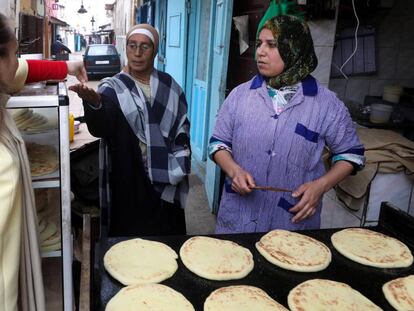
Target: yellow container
point(71, 127)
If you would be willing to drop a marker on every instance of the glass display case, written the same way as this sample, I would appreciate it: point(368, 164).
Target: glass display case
point(41, 112)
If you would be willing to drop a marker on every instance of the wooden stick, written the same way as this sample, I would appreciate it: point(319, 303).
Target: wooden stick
point(271, 189)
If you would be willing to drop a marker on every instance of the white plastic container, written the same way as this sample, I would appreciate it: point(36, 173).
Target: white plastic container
point(380, 113)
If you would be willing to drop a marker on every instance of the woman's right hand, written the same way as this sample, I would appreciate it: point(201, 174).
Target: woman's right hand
point(242, 181)
point(77, 69)
point(87, 94)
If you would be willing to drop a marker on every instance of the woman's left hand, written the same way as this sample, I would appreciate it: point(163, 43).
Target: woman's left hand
point(311, 194)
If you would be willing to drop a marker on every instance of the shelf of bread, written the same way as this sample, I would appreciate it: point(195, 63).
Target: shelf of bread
point(35, 120)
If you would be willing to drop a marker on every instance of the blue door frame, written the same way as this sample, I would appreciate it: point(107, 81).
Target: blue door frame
point(222, 17)
point(176, 41)
point(161, 25)
point(200, 77)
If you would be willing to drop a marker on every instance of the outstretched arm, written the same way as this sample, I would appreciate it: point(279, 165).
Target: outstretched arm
point(30, 71)
point(98, 110)
point(41, 70)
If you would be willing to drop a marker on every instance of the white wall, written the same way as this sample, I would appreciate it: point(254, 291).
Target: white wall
point(123, 19)
point(8, 8)
point(323, 35)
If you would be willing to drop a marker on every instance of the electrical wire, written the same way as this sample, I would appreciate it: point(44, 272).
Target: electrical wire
point(356, 42)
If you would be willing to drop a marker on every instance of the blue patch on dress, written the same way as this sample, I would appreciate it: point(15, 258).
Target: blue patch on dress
point(309, 86)
point(228, 188)
point(257, 82)
point(306, 133)
point(285, 204)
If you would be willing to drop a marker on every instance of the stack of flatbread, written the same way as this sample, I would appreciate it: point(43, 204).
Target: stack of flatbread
point(372, 248)
point(140, 261)
point(27, 119)
point(31, 122)
point(216, 259)
point(148, 297)
point(241, 298)
point(319, 294)
point(43, 159)
point(48, 218)
point(294, 251)
point(400, 293)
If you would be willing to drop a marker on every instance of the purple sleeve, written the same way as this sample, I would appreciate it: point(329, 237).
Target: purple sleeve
point(223, 130)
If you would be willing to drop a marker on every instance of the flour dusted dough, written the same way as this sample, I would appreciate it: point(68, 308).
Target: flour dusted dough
point(148, 297)
point(216, 259)
point(294, 251)
point(372, 248)
point(140, 261)
point(400, 293)
point(326, 295)
point(241, 298)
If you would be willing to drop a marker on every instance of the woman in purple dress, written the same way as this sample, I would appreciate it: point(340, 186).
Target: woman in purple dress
point(271, 131)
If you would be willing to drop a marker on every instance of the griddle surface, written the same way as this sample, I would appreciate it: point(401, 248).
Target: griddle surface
point(277, 282)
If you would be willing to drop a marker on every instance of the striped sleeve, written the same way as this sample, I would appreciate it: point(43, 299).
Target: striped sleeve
point(342, 138)
point(353, 156)
point(216, 145)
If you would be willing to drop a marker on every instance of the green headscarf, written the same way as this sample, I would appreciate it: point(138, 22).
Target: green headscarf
point(283, 7)
point(295, 46)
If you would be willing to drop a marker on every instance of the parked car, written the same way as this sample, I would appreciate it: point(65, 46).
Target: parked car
point(101, 60)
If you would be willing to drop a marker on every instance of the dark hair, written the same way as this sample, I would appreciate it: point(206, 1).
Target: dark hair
point(6, 34)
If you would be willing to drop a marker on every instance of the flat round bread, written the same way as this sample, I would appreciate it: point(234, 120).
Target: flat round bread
point(54, 239)
point(294, 251)
point(241, 298)
point(326, 295)
point(400, 293)
point(216, 259)
point(148, 297)
point(43, 159)
point(48, 232)
point(42, 225)
point(18, 113)
point(372, 248)
point(140, 261)
point(51, 248)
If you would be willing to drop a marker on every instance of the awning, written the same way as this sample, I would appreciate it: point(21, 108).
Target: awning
point(57, 21)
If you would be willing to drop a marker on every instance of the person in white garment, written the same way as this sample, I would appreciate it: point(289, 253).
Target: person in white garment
point(21, 285)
